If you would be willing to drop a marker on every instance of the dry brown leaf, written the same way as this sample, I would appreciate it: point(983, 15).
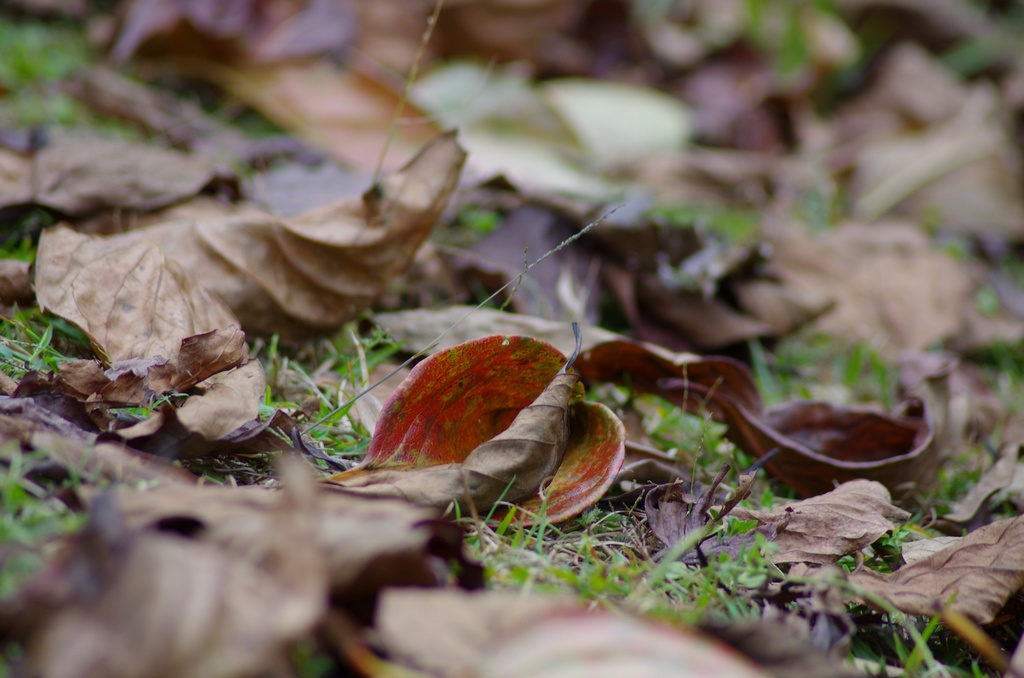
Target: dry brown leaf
point(15, 285)
point(368, 544)
point(315, 271)
point(26, 425)
point(892, 288)
point(419, 328)
point(127, 602)
point(127, 297)
point(79, 177)
point(975, 576)
point(913, 551)
point(996, 478)
point(136, 381)
point(498, 634)
point(675, 512)
point(823, 529)
point(222, 418)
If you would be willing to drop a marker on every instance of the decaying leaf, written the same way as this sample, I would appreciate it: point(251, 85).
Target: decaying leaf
point(128, 297)
point(502, 634)
point(222, 418)
point(823, 529)
point(975, 576)
point(490, 420)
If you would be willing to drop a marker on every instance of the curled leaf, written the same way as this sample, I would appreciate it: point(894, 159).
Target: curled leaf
point(819, 444)
point(491, 420)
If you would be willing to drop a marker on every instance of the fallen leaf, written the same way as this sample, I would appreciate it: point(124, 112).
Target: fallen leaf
point(998, 477)
point(819, 444)
point(26, 426)
point(126, 296)
point(975, 576)
point(220, 418)
point(823, 529)
point(368, 544)
point(676, 512)
point(890, 286)
point(490, 420)
point(418, 329)
point(499, 634)
point(50, 392)
point(913, 551)
point(15, 285)
point(135, 382)
point(247, 31)
point(785, 647)
point(80, 177)
point(220, 611)
point(313, 272)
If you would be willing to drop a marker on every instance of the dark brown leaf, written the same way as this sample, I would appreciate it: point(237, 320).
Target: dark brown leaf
point(220, 419)
point(819, 444)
